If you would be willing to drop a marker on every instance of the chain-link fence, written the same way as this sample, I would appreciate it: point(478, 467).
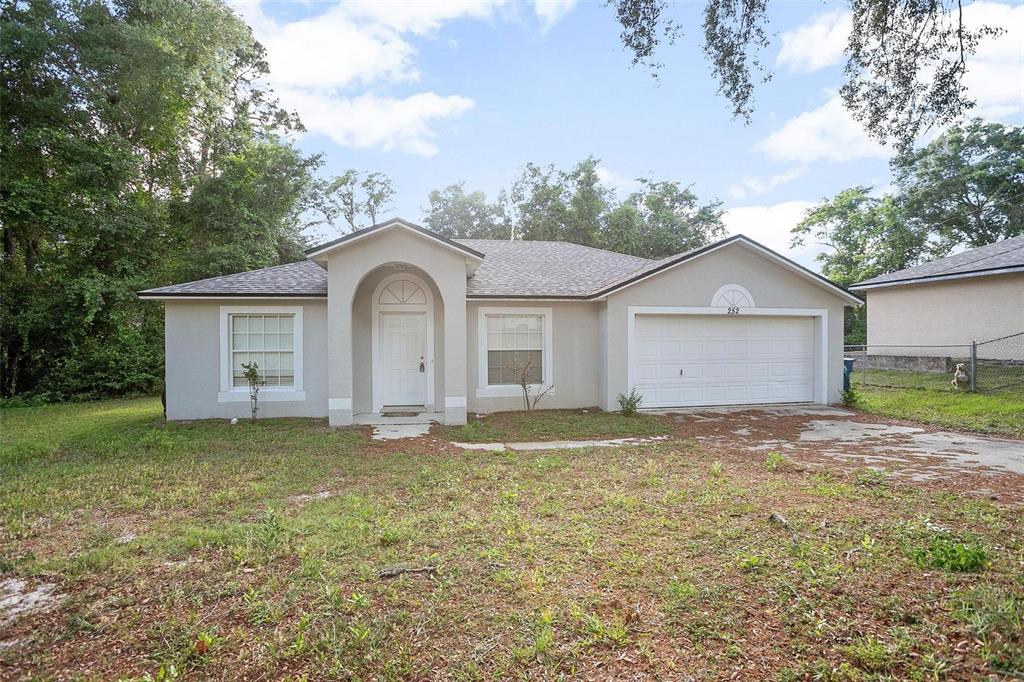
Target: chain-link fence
point(991, 365)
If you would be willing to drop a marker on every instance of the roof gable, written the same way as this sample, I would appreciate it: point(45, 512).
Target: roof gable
point(665, 264)
point(1006, 255)
point(394, 223)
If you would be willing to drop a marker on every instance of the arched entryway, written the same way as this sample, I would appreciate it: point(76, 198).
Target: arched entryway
point(402, 342)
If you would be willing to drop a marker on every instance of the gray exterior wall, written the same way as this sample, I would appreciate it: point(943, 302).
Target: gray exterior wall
point(694, 283)
point(347, 267)
point(193, 355)
point(949, 312)
point(576, 362)
point(589, 339)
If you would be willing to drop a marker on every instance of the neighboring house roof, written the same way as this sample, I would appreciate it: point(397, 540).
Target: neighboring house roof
point(998, 258)
point(507, 269)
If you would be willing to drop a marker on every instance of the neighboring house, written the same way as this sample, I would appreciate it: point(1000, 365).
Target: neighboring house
point(975, 295)
point(395, 317)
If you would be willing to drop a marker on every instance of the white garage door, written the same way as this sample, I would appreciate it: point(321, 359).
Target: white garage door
point(689, 360)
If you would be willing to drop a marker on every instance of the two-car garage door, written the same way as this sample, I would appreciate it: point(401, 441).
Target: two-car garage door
point(691, 360)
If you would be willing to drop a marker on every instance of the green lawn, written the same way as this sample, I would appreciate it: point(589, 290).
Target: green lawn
point(554, 425)
point(191, 546)
point(929, 398)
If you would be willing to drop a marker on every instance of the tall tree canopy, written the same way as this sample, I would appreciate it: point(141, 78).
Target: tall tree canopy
point(658, 219)
point(138, 147)
point(905, 59)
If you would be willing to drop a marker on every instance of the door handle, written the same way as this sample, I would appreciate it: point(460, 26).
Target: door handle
point(422, 367)
point(680, 372)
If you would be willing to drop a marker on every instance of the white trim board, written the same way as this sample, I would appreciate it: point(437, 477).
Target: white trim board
point(821, 351)
point(377, 311)
point(483, 389)
point(233, 394)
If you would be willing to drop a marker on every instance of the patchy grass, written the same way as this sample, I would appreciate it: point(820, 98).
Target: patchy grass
point(506, 427)
point(184, 548)
point(928, 397)
point(998, 413)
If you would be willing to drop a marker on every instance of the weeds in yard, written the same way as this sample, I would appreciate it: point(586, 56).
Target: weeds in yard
point(638, 561)
point(774, 461)
point(870, 477)
point(951, 555)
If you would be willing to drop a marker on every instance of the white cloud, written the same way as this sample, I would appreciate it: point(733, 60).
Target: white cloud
point(752, 185)
point(828, 132)
point(331, 50)
point(620, 184)
point(322, 66)
point(771, 225)
point(995, 74)
point(816, 44)
point(550, 11)
point(403, 124)
point(421, 17)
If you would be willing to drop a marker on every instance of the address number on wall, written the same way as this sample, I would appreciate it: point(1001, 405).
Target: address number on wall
point(733, 310)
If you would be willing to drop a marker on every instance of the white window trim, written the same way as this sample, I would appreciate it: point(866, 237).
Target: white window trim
point(237, 394)
point(821, 352)
point(485, 390)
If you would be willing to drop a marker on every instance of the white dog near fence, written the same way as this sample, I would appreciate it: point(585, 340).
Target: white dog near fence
point(960, 377)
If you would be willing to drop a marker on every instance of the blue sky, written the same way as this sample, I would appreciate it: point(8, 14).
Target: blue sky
point(460, 90)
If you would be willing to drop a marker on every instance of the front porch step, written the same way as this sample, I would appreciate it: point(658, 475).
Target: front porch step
point(377, 419)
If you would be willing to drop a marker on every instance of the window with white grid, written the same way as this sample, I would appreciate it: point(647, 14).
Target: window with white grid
point(267, 340)
point(515, 344)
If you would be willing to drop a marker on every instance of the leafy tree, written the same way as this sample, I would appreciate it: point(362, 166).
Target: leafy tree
point(358, 198)
point(905, 59)
point(455, 214)
point(660, 219)
point(866, 236)
point(965, 187)
point(138, 148)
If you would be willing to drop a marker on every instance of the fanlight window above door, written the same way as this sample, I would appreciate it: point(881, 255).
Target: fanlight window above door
point(732, 296)
point(402, 292)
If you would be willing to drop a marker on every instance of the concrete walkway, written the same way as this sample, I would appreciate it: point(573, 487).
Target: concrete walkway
point(558, 444)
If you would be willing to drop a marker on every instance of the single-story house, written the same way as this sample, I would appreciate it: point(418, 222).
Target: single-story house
point(395, 317)
point(975, 295)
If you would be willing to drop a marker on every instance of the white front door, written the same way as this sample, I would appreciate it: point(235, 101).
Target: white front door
point(403, 356)
point(692, 360)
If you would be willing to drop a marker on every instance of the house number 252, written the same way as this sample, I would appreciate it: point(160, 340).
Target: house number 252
point(733, 310)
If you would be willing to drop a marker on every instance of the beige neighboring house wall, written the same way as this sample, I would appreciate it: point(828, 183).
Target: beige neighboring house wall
point(954, 311)
point(694, 283)
point(193, 357)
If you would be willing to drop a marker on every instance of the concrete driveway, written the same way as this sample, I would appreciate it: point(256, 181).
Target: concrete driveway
point(833, 437)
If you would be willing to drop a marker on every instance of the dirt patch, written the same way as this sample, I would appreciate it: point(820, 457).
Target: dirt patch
point(18, 599)
point(849, 441)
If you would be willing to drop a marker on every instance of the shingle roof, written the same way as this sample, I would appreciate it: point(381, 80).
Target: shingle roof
point(509, 269)
point(1002, 255)
point(303, 278)
point(536, 268)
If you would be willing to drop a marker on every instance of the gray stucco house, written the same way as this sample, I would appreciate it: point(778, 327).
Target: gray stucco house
point(395, 316)
point(973, 295)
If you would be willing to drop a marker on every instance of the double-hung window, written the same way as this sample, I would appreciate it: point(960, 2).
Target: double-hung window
point(269, 342)
point(271, 338)
point(514, 342)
